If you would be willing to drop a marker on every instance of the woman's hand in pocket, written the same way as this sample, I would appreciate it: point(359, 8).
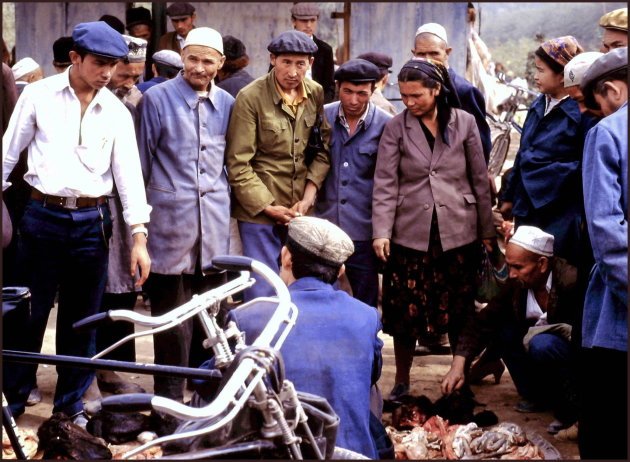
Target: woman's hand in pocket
point(381, 247)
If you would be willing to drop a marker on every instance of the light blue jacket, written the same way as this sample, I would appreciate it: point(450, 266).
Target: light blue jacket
point(182, 143)
point(605, 179)
point(345, 198)
point(333, 351)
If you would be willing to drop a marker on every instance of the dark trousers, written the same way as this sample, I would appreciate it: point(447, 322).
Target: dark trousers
point(181, 345)
point(603, 423)
point(544, 373)
point(59, 250)
point(110, 334)
point(362, 272)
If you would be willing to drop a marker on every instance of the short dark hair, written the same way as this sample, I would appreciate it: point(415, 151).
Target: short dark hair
point(620, 74)
point(82, 52)
point(164, 70)
point(373, 86)
point(234, 65)
point(305, 265)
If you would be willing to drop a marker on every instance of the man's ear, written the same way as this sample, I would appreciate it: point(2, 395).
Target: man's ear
point(311, 61)
point(543, 262)
point(272, 59)
point(613, 91)
point(448, 51)
point(286, 260)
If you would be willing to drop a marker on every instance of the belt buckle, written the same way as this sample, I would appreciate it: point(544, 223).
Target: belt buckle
point(71, 203)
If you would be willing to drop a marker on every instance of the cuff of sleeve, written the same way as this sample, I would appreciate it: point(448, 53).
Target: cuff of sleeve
point(137, 215)
point(5, 185)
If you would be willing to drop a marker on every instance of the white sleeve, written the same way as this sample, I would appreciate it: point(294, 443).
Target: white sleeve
point(20, 132)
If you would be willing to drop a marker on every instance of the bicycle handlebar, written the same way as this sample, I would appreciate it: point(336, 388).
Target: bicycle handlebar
point(233, 263)
point(92, 322)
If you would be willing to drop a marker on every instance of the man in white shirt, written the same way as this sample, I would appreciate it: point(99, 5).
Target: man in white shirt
point(530, 321)
point(80, 138)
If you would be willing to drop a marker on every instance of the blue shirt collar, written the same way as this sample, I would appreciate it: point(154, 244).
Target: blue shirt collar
point(309, 283)
point(190, 95)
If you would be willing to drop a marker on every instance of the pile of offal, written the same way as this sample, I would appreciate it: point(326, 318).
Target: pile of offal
point(447, 429)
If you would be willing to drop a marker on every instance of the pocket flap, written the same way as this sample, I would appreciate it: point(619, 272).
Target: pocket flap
point(470, 198)
point(274, 125)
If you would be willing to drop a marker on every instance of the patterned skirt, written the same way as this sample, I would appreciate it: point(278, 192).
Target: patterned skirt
point(427, 294)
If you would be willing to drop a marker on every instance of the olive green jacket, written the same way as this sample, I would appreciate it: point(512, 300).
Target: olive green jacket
point(264, 150)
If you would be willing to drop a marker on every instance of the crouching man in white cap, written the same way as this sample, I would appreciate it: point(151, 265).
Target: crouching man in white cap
point(333, 351)
point(181, 140)
point(26, 71)
point(530, 321)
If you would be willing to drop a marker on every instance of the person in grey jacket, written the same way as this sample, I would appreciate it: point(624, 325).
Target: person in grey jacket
point(430, 210)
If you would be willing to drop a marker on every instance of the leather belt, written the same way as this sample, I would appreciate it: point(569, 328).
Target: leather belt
point(72, 203)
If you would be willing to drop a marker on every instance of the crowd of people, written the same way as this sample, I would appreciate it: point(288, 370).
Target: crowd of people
point(311, 171)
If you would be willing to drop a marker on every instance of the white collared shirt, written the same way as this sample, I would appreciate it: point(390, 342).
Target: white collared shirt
point(181, 41)
point(532, 308)
point(344, 123)
point(550, 102)
point(71, 156)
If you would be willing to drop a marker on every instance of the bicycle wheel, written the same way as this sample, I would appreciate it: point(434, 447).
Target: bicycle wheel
point(498, 154)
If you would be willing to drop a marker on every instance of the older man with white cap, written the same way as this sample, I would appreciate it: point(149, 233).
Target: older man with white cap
point(530, 321)
point(182, 130)
point(128, 72)
point(333, 351)
point(431, 41)
point(26, 71)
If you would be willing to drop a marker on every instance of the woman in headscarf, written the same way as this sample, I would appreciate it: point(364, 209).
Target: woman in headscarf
point(431, 210)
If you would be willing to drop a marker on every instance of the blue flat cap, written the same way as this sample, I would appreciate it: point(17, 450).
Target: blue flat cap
point(357, 70)
point(292, 42)
point(610, 62)
point(100, 39)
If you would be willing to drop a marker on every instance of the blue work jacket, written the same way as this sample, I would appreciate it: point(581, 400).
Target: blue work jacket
point(182, 142)
point(605, 321)
point(333, 351)
point(144, 86)
point(345, 198)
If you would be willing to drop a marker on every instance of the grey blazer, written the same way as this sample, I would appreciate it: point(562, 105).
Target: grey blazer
point(410, 181)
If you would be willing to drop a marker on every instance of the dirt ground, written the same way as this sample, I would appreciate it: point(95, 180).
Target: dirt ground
point(426, 374)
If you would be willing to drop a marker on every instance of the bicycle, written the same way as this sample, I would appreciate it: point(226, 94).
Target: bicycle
point(504, 124)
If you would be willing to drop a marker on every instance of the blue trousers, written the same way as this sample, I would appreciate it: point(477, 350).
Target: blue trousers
point(544, 373)
point(362, 272)
point(66, 251)
point(262, 243)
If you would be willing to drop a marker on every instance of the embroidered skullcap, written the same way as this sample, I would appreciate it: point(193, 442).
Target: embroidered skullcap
point(320, 239)
point(575, 69)
point(168, 58)
point(433, 28)
point(305, 11)
point(180, 10)
point(205, 37)
point(23, 67)
point(533, 239)
point(100, 39)
point(608, 63)
point(617, 19)
point(357, 70)
point(557, 52)
point(137, 49)
point(292, 42)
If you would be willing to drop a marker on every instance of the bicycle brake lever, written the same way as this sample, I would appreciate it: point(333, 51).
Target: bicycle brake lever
point(128, 402)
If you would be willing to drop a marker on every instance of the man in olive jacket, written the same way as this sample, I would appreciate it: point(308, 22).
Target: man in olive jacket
point(271, 122)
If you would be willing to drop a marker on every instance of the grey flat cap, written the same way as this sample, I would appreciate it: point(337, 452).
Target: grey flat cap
point(168, 58)
point(612, 61)
point(321, 238)
point(305, 11)
point(292, 42)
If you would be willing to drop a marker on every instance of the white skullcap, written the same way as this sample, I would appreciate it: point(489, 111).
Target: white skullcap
point(205, 37)
point(575, 69)
point(533, 239)
point(433, 28)
point(137, 49)
point(321, 238)
point(23, 67)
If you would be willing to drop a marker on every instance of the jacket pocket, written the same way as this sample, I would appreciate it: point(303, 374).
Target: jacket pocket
point(368, 149)
point(275, 126)
point(160, 188)
point(309, 120)
point(470, 199)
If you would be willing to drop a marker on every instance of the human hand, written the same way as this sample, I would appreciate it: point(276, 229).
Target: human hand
point(489, 244)
point(301, 207)
point(381, 247)
point(280, 214)
point(506, 210)
point(140, 257)
point(454, 379)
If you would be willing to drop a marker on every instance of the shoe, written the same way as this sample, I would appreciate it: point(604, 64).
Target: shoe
point(568, 434)
point(34, 397)
point(482, 369)
point(400, 389)
point(81, 419)
point(555, 426)
point(527, 407)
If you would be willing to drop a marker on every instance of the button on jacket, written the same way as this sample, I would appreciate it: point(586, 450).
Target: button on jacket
point(71, 156)
point(410, 181)
point(182, 142)
point(265, 146)
point(346, 196)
